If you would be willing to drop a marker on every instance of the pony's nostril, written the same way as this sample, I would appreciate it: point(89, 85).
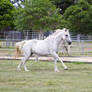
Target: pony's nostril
point(69, 43)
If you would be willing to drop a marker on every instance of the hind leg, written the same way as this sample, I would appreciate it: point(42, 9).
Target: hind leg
point(18, 68)
point(24, 59)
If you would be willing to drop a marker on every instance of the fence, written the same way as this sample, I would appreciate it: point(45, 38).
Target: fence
point(80, 48)
point(81, 45)
point(31, 35)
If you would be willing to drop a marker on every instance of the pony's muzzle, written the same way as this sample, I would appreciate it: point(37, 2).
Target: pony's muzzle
point(69, 43)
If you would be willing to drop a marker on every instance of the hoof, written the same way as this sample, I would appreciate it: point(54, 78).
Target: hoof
point(57, 71)
point(26, 70)
point(18, 69)
point(65, 68)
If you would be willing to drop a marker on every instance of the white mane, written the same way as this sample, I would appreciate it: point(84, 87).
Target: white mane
point(54, 34)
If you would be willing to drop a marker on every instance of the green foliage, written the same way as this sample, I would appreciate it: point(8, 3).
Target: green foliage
point(79, 17)
point(63, 4)
point(89, 1)
point(38, 15)
point(6, 15)
point(83, 4)
point(64, 24)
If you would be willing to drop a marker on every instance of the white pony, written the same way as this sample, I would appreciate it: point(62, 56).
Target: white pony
point(46, 47)
point(19, 46)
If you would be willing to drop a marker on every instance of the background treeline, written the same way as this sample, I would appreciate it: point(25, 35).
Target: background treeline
point(47, 15)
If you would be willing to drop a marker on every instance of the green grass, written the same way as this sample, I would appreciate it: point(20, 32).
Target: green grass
point(42, 78)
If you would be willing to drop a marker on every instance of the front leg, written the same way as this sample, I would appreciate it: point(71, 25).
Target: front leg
point(57, 57)
point(68, 50)
point(36, 58)
point(55, 65)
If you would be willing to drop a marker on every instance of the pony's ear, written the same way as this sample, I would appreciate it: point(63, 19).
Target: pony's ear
point(65, 30)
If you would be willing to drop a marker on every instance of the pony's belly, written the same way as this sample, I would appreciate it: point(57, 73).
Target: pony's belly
point(41, 52)
point(40, 48)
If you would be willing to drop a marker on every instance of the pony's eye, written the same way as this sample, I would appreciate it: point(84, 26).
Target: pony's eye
point(66, 35)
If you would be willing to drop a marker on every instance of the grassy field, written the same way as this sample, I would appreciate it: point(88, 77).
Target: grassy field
point(42, 78)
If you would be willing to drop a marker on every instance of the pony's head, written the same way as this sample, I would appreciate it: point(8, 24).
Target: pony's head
point(66, 36)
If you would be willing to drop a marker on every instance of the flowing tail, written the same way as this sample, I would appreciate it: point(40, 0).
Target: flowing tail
point(19, 46)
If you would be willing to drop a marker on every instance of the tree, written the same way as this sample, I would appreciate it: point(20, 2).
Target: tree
point(38, 15)
point(6, 15)
point(79, 17)
point(62, 4)
point(89, 1)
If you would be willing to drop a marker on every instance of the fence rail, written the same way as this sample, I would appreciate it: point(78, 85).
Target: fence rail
point(81, 45)
point(78, 48)
point(36, 35)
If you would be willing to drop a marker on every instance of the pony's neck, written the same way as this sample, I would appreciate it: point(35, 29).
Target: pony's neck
point(59, 37)
point(56, 37)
